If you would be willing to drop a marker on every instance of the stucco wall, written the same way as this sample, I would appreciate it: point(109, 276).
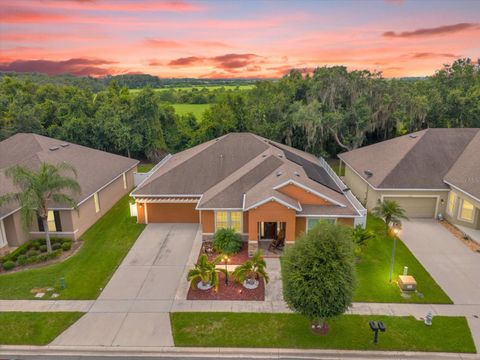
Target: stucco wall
point(208, 221)
point(346, 221)
point(271, 211)
point(453, 218)
point(300, 226)
point(14, 230)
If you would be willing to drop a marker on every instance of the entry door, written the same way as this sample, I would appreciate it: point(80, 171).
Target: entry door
point(270, 230)
point(3, 236)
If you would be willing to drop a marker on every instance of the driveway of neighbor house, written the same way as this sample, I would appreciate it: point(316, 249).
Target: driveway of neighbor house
point(133, 308)
point(452, 264)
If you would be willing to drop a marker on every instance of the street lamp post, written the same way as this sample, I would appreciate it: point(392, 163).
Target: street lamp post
point(395, 231)
point(226, 259)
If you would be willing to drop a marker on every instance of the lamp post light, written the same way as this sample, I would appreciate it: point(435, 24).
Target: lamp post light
point(226, 259)
point(395, 232)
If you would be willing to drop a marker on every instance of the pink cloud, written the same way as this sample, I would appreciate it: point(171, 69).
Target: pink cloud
point(439, 30)
point(17, 15)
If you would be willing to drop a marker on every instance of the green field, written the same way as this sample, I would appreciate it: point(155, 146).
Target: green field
point(195, 109)
point(262, 330)
point(34, 328)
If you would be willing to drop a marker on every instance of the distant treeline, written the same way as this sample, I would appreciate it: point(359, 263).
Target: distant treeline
point(132, 81)
point(330, 111)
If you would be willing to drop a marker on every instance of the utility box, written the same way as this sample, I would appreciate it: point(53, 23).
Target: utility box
point(407, 283)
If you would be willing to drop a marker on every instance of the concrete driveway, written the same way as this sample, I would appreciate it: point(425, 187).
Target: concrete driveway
point(452, 264)
point(133, 308)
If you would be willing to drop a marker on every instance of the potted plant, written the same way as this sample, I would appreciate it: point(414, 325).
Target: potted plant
point(251, 271)
point(205, 273)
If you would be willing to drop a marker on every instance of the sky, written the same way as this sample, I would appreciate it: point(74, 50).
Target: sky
point(235, 39)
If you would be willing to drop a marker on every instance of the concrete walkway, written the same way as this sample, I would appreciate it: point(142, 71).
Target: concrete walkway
point(452, 264)
point(133, 309)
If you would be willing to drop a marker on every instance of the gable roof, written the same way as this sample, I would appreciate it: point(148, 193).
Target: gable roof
point(240, 171)
point(420, 160)
point(95, 168)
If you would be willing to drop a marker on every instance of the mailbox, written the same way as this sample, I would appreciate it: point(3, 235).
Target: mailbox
point(381, 326)
point(373, 325)
point(407, 283)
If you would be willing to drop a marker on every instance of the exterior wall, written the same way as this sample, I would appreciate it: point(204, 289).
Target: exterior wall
point(371, 197)
point(67, 227)
point(302, 195)
point(245, 222)
point(454, 218)
point(300, 226)
point(141, 213)
point(208, 221)
point(108, 196)
point(346, 221)
point(172, 213)
point(14, 231)
point(271, 211)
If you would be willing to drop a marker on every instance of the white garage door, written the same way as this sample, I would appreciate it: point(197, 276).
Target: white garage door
point(416, 207)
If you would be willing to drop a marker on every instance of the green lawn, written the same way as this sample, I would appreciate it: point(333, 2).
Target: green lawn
point(448, 334)
point(195, 109)
point(34, 328)
point(374, 268)
point(106, 244)
point(143, 168)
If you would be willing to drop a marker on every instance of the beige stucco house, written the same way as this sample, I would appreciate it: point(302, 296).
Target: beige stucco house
point(431, 173)
point(104, 179)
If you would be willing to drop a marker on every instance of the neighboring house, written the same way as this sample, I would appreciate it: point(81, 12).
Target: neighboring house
point(430, 172)
point(103, 177)
point(260, 188)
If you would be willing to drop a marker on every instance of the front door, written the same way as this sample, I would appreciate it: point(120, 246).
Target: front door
point(270, 230)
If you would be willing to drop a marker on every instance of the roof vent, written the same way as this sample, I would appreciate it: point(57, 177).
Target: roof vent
point(346, 189)
point(412, 136)
point(296, 173)
point(368, 173)
point(53, 148)
point(264, 155)
point(64, 144)
point(279, 173)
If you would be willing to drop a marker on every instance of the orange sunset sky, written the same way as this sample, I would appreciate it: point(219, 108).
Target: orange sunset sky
point(235, 39)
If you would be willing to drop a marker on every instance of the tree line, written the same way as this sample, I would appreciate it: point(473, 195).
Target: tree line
point(329, 111)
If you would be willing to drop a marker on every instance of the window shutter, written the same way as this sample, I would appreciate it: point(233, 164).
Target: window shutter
point(40, 224)
point(58, 223)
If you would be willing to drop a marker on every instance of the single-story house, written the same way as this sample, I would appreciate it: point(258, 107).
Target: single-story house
point(430, 173)
point(104, 179)
point(260, 188)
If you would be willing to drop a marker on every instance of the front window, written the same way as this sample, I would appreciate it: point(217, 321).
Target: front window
point(466, 211)
point(451, 203)
point(229, 219)
point(313, 221)
point(51, 221)
point(97, 202)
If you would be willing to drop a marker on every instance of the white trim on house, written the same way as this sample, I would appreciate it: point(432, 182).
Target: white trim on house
point(145, 212)
point(437, 201)
point(55, 232)
point(165, 195)
point(274, 198)
point(393, 189)
point(462, 191)
point(3, 235)
point(152, 170)
point(329, 216)
point(308, 190)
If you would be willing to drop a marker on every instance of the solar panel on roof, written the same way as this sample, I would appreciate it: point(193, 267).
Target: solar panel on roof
point(314, 172)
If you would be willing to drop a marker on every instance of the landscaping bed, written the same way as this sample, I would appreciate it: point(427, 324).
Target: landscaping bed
point(234, 291)
point(34, 253)
point(34, 328)
point(349, 332)
point(235, 259)
point(86, 273)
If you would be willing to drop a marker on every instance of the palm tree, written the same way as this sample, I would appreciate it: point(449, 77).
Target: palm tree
point(391, 212)
point(206, 272)
point(252, 270)
point(38, 189)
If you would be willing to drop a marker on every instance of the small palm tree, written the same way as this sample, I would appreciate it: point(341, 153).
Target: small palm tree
point(252, 270)
point(206, 272)
point(391, 212)
point(38, 189)
point(361, 236)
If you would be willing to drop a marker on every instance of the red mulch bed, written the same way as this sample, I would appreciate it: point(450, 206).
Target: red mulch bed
point(234, 291)
point(237, 259)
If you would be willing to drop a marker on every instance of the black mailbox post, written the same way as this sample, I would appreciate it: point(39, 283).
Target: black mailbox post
point(375, 327)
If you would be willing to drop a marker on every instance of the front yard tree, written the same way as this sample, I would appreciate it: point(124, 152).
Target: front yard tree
point(38, 190)
point(391, 212)
point(318, 273)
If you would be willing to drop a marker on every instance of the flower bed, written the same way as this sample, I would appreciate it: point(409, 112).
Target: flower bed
point(34, 252)
point(234, 291)
point(236, 259)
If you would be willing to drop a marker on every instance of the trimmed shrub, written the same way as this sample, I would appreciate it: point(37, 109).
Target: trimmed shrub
point(227, 241)
point(32, 253)
point(22, 259)
point(32, 259)
point(43, 248)
point(67, 245)
point(56, 246)
point(8, 265)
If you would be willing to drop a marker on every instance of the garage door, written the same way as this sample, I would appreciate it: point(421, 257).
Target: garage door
point(172, 213)
point(416, 207)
